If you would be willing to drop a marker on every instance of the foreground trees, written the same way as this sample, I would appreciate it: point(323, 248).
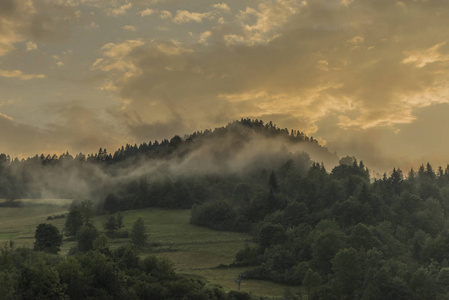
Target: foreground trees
point(118, 274)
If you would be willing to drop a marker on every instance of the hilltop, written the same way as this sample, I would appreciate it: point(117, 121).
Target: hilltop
point(244, 146)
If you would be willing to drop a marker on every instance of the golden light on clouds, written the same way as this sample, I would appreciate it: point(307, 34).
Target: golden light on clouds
point(351, 72)
point(20, 75)
point(428, 56)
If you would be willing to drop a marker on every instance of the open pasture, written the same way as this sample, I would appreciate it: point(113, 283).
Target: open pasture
point(19, 223)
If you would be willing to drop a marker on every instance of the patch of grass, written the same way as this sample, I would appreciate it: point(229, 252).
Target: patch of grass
point(7, 236)
point(200, 256)
point(226, 277)
point(20, 223)
point(172, 227)
point(47, 202)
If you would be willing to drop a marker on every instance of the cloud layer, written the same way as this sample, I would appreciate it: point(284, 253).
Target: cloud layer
point(352, 72)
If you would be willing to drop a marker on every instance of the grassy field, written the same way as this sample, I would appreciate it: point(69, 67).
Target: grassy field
point(194, 250)
point(19, 223)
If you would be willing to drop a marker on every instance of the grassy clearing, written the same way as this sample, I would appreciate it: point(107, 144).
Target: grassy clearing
point(194, 250)
point(48, 202)
point(188, 246)
point(225, 278)
point(19, 223)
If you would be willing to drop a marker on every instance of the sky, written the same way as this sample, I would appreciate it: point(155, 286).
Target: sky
point(367, 78)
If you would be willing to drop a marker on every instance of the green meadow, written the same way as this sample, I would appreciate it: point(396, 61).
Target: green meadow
point(19, 223)
point(194, 251)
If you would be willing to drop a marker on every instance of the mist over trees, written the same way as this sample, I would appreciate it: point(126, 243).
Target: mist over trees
point(157, 167)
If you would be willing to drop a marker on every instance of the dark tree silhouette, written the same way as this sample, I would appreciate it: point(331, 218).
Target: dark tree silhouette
point(73, 222)
point(274, 182)
point(138, 233)
point(86, 237)
point(48, 238)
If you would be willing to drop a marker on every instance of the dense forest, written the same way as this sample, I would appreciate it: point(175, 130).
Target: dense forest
point(338, 233)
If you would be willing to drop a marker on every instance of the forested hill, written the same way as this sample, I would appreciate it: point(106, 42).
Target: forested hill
point(230, 138)
point(244, 146)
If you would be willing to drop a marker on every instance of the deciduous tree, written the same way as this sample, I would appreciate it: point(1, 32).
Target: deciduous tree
point(48, 238)
point(138, 233)
point(73, 222)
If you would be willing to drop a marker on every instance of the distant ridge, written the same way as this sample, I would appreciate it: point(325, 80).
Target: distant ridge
point(242, 128)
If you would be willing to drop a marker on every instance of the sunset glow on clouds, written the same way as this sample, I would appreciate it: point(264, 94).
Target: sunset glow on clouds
point(370, 78)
